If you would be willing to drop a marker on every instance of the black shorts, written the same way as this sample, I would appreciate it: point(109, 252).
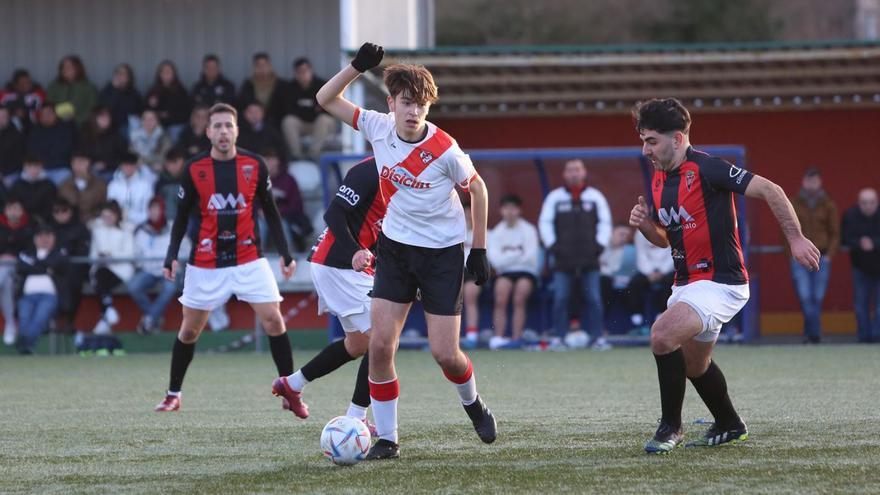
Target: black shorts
point(437, 273)
point(515, 276)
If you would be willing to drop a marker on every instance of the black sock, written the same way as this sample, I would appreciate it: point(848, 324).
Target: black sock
point(329, 359)
point(181, 356)
point(671, 373)
point(361, 396)
point(712, 388)
point(279, 345)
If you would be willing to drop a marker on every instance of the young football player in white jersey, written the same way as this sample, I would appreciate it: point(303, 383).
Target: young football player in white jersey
point(421, 245)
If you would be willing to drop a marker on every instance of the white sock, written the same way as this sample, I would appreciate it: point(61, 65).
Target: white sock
point(466, 385)
point(385, 411)
point(357, 412)
point(297, 381)
point(174, 394)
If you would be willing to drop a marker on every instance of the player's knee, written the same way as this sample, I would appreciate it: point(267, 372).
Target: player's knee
point(662, 341)
point(445, 358)
point(381, 350)
point(273, 325)
point(188, 336)
point(357, 345)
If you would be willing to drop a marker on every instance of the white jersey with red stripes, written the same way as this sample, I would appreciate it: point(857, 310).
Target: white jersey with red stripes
point(418, 181)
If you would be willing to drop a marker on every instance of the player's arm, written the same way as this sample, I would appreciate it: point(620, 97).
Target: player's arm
point(640, 218)
point(477, 263)
point(187, 195)
point(330, 96)
point(273, 220)
point(801, 248)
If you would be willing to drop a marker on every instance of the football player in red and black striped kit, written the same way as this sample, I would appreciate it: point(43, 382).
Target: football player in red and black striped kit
point(219, 190)
point(692, 211)
point(342, 270)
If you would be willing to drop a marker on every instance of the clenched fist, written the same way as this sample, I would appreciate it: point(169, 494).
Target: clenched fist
point(640, 217)
point(361, 260)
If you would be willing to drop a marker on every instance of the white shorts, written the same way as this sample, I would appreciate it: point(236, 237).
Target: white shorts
point(715, 303)
point(210, 288)
point(345, 294)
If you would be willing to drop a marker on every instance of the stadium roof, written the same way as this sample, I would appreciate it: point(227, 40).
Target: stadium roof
point(607, 79)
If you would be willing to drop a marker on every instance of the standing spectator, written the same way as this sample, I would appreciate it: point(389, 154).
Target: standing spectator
point(213, 87)
point(513, 254)
point(84, 189)
point(151, 240)
point(263, 87)
point(73, 238)
point(861, 233)
point(16, 233)
point(12, 146)
point(35, 190)
point(168, 185)
point(41, 269)
point(618, 268)
point(575, 226)
point(256, 135)
point(169, 99)
point(122, 98)
point(103, 143)
point(149, 141)
point(53, 140)
point(654, 280)
point(25, 96)
point(131, 189)
point(110, 240)
point(285, 190)
point(470, 290)
point(820, 223)
point(72, 86)
point(301, 114)
point(193, 139)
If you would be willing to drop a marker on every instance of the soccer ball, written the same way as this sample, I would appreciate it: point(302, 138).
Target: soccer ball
point(345, 441)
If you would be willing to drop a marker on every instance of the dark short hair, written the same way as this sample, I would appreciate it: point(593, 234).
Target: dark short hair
point(19, 73)
point(43, 228)
point(210, 58)
point(812, 172)
point(62, 204)
point(301, 61)
point(511, 199)
point(222, 108)
point(260, 56)
point(128, 157)
point(113, 206)
point(32, 159)
point(175, 154)
point(661, 115)
point(13, 199)
point(80, 152)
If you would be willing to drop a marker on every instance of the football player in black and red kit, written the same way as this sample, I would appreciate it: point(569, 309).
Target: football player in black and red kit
point(219, 190)
point(342, 271)
point(692, 210)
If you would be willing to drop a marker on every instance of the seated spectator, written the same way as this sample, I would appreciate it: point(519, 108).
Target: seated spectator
point(470, 290)
point(255, 134)
point(151, 240)
point(301, 114)
point(193, 139)
point(168, 185)
point(655, 277)
point(513, 254)
point(41, 269)
point(861, 234)
point(25, 97)
point(53, 140)
point(110, 240)
point(617, 265)
point(73, 238)
point(262, 87)
point(72, 87)
point(149, 141)
point(122, 98)
point(132, 189)
point(213, 87)
point(169, 99)
point(12, 146)
point(290, 205)
point(35, 190)
point(103, 143)
point(83, 189)
point(16, 233)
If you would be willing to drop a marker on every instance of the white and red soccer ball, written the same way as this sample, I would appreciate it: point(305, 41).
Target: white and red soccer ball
point(345, 441)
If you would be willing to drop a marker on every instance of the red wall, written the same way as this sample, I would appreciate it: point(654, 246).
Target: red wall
point(779, 145)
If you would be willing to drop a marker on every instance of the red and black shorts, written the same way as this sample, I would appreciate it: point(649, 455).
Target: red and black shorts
point(437, 273)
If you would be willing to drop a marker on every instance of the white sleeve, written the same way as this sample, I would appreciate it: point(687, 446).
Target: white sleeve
point(371, 123)
point(546, 219)
point(493, 248)
point(459, 166)
point(643, 261)
point(530, 245)
point(603, 229)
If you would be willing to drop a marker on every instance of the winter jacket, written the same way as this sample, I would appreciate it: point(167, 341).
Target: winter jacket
point(151, 243)
point(191, 144)
point(619, 264)
point(220, 91)
point(132, 193)
point(12, 146)
point(53, 264)
point(36, 196)
point(87, 196)
point(53, 144)
point(819, 220)
point(31, 102)
point(112, 242)
point(301, 102)
point(171, 103)
point(259, 140)
point(167, 188)
point(513, 249)
point(121, 103)
point(575, 232)
point(81, 94)
point(105, 148)
point(651, 258)
point(150, 148)
point(14, 240)
point(855, 226)
point(272, 105)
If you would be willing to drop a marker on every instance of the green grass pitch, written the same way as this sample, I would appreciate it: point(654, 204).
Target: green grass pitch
point(568, 422)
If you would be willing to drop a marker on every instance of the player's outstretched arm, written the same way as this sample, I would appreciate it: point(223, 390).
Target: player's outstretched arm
point(802, 250)
point(640, 218)
point(330, 96)
point(477, 263)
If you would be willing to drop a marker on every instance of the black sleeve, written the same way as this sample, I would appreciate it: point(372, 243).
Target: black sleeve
point(337, 222)
point(270, 211)
point(361, 183)
point(188, 197)
point(724, 175)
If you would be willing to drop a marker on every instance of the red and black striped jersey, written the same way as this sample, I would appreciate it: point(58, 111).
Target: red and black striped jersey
point(220, 196)
point(363, 205)
point(695, 204)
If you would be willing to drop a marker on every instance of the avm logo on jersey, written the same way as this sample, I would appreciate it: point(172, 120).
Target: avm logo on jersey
point(348, 195)
point(670, 215)
point(227, 204)
point(403, 178)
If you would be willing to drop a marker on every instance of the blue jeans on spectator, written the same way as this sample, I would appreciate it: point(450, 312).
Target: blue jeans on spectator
point(588, 281)
point(866, 293)
point(142, 282)
point(810, 288)
point(34, 313)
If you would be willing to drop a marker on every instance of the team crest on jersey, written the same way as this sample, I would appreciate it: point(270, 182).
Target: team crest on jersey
point(689, 179)
point(426, 157)
point(248, 172)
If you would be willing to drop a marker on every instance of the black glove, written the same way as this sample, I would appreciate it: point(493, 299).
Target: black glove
point(367, 57)
point(478, 266)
